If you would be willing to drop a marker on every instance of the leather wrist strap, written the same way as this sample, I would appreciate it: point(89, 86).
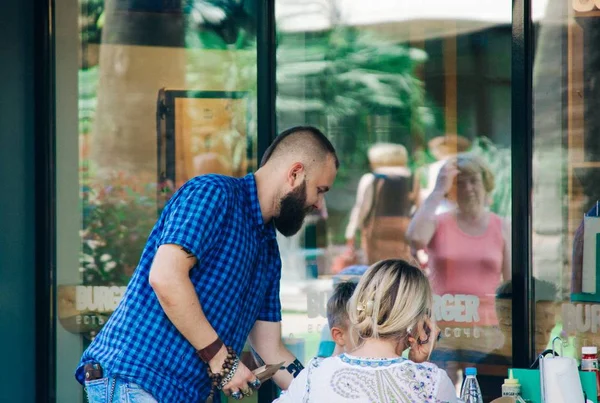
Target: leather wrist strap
point(208, 352)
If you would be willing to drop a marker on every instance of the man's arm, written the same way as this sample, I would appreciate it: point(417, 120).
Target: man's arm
point(190, 226)
point(170, 280)
point(265, 339)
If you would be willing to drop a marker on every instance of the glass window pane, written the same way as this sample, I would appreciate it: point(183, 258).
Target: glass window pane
point(400, 88)
point(149, 95)
point(566, 165)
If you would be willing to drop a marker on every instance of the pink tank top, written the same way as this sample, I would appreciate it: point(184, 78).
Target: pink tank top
point(469, 265)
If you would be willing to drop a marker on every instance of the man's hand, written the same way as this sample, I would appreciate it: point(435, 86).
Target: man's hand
point(243, 378)
point(265, 338)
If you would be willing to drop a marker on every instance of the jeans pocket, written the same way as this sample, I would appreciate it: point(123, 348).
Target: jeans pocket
point(97, 390)
point(135, 394)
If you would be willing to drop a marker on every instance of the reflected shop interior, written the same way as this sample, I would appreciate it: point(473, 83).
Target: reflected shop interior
point(150, 94)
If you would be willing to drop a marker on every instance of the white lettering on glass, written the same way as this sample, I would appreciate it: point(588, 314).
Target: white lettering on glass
point(581, 317)
point(458, 308)
point(98, 298)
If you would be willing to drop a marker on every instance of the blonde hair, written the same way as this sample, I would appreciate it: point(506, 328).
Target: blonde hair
point(390, 300)
point(387, 155)
point(471, 164)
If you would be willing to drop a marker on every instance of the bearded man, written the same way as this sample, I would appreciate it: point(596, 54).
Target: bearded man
point(208, 280)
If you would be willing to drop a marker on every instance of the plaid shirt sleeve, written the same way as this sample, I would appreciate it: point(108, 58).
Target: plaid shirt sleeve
point(271, 308)
point(194, 216)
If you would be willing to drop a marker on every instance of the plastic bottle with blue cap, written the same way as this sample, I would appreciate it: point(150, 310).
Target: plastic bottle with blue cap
point(471, 392)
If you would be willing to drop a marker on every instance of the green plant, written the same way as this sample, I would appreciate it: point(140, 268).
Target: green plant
point(90, 21)
point(117, 220)
point(498, 159)
point(220, 24)
point(88, 98)
point(359, 87)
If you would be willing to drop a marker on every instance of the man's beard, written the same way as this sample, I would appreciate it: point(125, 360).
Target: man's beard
point(292, 211)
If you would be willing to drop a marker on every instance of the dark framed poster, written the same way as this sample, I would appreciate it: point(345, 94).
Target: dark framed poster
point(200, 132)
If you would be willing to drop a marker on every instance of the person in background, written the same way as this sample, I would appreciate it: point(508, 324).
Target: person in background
point(546, 306)
point(469, 256)
point(442, 148)
point(208, 280)
point(499, 361)
point(385, 199)
point(389, 312)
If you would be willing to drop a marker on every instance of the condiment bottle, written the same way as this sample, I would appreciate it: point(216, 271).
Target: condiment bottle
point(511, 386)
point(589, 362)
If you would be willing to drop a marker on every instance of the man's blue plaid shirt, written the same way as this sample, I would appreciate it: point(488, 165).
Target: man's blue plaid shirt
point(237, 277)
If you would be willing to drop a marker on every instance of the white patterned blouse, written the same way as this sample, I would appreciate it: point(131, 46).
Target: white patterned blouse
point(346, 378)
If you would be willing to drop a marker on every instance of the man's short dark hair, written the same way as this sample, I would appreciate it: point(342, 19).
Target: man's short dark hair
point(319, 141)
point(337, 311)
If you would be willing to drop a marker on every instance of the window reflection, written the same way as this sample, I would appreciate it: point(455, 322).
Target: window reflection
point(566, 190)
point(136, 148)
point(412, 85)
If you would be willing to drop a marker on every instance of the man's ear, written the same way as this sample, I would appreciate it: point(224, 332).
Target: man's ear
point(337, 335)
point(296, 174)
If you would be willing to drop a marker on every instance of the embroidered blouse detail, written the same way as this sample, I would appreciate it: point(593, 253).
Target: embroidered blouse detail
point(346, 378)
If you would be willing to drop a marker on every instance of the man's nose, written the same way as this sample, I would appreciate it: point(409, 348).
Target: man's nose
point(319, 204)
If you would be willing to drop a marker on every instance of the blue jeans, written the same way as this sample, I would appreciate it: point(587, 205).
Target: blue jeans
point(117, 390)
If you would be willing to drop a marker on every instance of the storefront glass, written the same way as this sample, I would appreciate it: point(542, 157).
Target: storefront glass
point(149, 94)
point(400, 88)
point(565, 177)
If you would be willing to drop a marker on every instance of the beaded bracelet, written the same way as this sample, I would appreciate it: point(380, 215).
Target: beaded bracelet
point(229, 375)
point(227, 371)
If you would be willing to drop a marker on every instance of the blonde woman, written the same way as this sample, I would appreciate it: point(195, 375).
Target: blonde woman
point(388, 312)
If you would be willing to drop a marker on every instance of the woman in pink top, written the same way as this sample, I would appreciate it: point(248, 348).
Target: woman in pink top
point(469, 257)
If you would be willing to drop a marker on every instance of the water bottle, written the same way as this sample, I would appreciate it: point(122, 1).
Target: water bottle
point(471, 393)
